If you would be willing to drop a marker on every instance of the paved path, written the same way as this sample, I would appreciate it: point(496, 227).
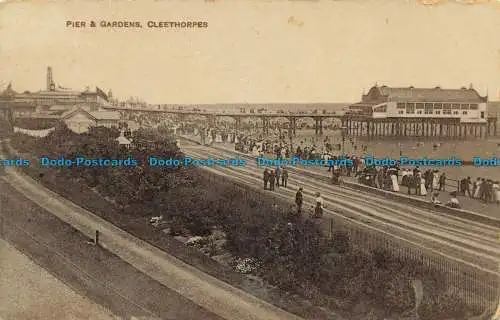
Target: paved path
point(208, 292)
point(28, 292)
point(89, 270)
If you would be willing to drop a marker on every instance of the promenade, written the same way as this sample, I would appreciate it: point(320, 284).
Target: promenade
point(489, 209)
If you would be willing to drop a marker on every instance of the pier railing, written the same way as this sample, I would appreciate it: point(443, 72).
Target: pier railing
point(452, 183)
point(477, 286)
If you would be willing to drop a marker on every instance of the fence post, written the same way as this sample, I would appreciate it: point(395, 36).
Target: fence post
point(96, 237)
point(331, 229)
point(1, 216)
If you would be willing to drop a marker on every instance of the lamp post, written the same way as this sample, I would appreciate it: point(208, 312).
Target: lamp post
point(343, 139)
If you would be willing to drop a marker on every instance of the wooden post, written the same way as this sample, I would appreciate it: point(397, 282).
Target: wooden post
point(96, 240)
point(331, 229)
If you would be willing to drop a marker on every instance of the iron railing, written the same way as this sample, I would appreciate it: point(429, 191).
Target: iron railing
point(478, 287)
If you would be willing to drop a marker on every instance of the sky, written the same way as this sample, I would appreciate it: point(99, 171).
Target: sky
point(253, 51)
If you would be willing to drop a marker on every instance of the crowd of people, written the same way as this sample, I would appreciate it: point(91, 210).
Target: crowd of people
point(273, 178)
point(430, 182)
point(482, 189)
point(416, 181)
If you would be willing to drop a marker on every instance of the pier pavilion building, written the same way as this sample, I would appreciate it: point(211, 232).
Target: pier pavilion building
point(420, 112)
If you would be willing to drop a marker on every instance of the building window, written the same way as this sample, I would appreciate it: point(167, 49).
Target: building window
point(410, 110)
point(401, 105)
point(473, 107)
point(401, 112)
point(420, 105)
point(464, 112)
point(438, 106)
point(446, 111)
point(428, 108)
point(464, 106)
point(482, 114)
point(455, 112)
point(446, 106)
point(437, 112)
point(419, 111)
point(455, 106)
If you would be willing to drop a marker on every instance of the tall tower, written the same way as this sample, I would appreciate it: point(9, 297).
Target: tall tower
point(49, 78)
point(51, 86)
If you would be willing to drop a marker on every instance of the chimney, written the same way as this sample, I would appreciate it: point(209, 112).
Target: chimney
point(49, 78)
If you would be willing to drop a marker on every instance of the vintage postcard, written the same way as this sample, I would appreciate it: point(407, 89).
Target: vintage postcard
point(257, 160)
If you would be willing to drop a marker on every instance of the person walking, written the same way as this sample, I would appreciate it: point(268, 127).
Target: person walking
point(278, 176)
point(272, 180)
point(266, 178)
point(442, 182)
point(488, 191)
point(284, 177)
point(468, 184)
point(318, 210)
point(299, 200)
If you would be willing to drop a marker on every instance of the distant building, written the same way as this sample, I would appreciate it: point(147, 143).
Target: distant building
point(65, 98)
point(389, 102)
point(79, 120)
point(54, 97)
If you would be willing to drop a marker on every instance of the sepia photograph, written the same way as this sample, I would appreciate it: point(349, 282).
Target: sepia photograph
point(250, 160)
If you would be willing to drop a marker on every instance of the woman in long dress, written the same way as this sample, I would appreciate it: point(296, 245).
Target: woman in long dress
point(435, 180)
point(496, 189)
point(478, 188)
point(394, 179)
point(423, 190)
